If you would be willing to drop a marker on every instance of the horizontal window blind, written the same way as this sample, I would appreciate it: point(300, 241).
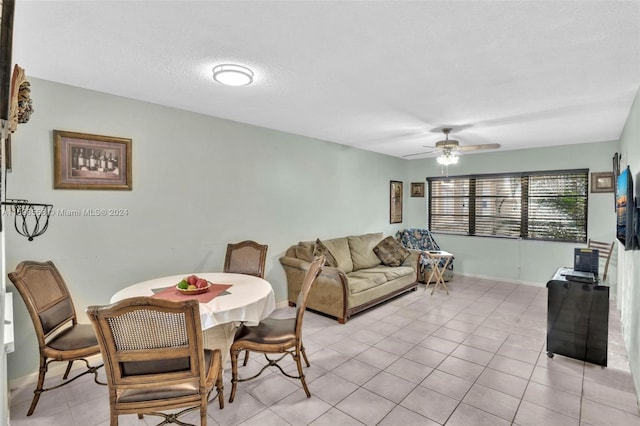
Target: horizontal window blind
point(449, 206)
point(548, 205)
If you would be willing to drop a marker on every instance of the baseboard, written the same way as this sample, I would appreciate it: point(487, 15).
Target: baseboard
point(283, 304)
point(501, 279)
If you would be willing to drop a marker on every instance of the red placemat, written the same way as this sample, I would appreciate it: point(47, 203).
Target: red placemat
point(172, 293)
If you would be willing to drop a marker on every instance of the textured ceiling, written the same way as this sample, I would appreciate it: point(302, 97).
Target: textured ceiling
point(384, 76)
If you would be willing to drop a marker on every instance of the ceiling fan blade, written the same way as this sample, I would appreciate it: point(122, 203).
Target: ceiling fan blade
point(479, 147)
point(417, 153)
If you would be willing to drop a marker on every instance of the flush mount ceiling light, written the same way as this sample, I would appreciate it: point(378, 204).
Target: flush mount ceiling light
point(232, 75)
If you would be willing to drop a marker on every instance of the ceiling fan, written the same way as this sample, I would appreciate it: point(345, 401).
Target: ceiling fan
point(449, 148)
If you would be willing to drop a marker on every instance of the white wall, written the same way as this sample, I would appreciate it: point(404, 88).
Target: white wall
point(628, 294)
point(198, 183)
point(531, 262)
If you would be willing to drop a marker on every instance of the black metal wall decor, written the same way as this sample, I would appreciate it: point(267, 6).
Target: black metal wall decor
point(30, 220)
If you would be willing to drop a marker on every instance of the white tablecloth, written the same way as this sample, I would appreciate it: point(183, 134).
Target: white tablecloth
point(250, 299)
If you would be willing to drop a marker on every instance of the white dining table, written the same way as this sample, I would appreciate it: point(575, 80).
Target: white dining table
point(249, 300)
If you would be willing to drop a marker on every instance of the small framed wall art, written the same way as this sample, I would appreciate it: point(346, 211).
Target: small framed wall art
point(395, 202)
point(417, 189)
point(84, 161)
point(602, 182)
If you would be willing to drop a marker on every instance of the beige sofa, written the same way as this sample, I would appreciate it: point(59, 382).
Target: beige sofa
point(357, 281)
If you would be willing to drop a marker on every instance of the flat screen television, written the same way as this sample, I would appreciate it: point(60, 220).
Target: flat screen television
point(625, 207)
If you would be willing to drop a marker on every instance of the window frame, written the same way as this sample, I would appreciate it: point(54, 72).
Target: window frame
point(524, 198)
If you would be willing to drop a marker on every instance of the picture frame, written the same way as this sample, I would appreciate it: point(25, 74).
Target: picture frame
point(616, 173)
point(86, 161)
point(602, 182)
point(417, 189)
point(7, 152)
point(395, 202)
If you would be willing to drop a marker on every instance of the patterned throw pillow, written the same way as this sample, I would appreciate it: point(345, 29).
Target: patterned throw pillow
point(322, 250)
point(391, 252)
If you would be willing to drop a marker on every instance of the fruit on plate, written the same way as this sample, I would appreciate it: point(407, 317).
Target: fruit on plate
point(193, 282)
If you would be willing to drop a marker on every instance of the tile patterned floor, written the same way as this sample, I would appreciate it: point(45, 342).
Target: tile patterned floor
point(475, 357)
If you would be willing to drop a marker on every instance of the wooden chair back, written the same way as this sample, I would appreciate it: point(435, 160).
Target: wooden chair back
point(45, 295)
point(605, 250)
point(246, 257)
point(303, 297)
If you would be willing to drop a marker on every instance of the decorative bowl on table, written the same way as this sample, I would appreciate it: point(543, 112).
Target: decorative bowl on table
point(193, 285)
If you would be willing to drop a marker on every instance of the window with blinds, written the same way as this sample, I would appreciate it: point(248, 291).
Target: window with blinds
point(550, 205)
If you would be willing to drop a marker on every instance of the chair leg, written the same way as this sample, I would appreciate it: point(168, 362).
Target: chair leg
point(203, 413)
point(39, 386)
point(66, 373)
point(220, 388)
point(301, 374)
point(234, 374)
point(246, 358)
point(304, 355)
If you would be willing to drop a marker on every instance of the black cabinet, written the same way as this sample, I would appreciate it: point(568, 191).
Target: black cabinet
point(577, 320)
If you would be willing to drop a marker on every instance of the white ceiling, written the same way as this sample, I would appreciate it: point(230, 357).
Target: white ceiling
point(384, 76)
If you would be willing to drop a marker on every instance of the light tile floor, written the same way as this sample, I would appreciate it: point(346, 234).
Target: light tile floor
point(475, 357)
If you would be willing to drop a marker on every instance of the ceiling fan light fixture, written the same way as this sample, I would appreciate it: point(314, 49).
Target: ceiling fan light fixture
point(447, 159)
point(232, 75)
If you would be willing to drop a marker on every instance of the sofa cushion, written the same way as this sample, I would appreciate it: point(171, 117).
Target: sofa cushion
point(322, 250)
point(339, 248)
point(364, 280)
point(391, 252)
point(304, 250)
point(392, 273)
point(361, 247)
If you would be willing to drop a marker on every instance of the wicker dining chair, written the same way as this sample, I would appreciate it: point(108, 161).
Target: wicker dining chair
point(276, 336)
point(246, 257)
point(155, 359)
point(60, 337)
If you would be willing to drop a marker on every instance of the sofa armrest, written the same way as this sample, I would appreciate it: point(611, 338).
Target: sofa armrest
point(295, 267)
point(294, 262)
point(414, 261)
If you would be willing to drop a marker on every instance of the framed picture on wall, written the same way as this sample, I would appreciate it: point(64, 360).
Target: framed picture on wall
point(417, 189)
point(602, 182)
point(84, 161)
point(395, 202)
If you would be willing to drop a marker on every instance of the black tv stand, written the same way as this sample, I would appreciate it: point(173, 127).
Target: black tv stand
point(577, 319)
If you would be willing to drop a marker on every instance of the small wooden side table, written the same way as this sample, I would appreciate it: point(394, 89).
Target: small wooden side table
point(436, 269)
